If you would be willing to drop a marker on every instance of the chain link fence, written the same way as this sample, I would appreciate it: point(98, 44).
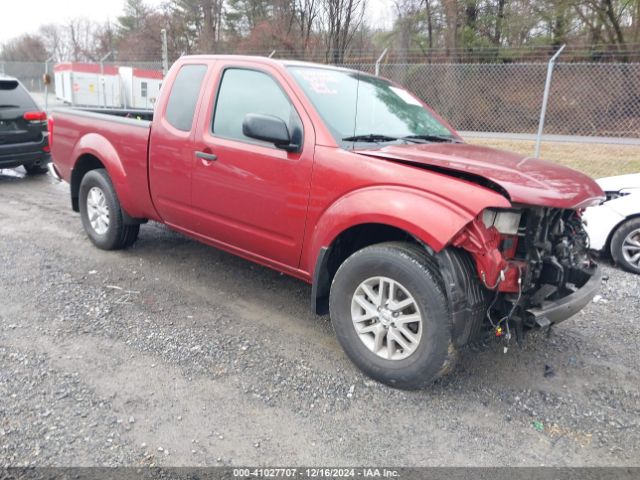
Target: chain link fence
point(590, 99)
point(586, 99)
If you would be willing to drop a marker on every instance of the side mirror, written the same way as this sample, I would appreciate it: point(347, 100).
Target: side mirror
point(268, 128)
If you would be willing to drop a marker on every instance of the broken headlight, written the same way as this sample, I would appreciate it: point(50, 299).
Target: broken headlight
point(505, 221)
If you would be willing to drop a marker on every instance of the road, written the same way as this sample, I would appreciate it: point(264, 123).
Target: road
point(172, 353)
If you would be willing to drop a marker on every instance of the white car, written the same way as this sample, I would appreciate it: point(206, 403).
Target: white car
point(614, 225)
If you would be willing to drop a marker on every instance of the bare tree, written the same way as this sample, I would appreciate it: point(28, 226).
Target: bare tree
point(333, 27)
point(207, 38)
point(211, 25)
point(27, 48)
point(308, 12)
point(605, 19)
point(451, 27)
point(183, 21)
point(499, 23)
point(429, 15)
point(81, 34)
point(342, 18)
point(417, 24)
point(55, 39)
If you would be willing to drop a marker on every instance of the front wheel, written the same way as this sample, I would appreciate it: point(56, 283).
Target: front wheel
point(389, 311)
point(625, 245)
point(101, 213)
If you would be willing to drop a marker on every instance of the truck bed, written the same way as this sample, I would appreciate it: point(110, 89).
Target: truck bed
point(122, 136)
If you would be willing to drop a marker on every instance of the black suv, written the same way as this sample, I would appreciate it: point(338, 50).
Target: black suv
point(23, 129)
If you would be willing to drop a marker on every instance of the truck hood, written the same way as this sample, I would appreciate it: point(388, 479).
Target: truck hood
point(524, 180)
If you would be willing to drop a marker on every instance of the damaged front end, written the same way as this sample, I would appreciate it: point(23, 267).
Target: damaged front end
point(523, 268)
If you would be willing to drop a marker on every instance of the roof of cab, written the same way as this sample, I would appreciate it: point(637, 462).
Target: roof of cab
point(272, 61)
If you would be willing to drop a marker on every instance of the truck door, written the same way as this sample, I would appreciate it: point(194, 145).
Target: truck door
point(170, 146)
point(247, 194)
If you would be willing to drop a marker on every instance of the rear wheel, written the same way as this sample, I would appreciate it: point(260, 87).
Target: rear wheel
point(101, 213)
point(36, 169)
point(389, 311)
point(625, 245)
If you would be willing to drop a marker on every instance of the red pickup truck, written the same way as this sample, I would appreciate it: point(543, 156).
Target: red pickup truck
point(414, 241)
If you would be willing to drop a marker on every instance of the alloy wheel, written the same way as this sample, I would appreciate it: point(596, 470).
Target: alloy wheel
point(386, 318)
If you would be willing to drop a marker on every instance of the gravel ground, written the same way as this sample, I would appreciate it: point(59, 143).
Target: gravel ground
point(176, 354)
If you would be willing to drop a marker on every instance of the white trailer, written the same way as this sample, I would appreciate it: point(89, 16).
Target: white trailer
point(140, 87)
point(88, 84)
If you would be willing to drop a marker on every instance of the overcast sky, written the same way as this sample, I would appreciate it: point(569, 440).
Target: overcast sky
point(25, 16)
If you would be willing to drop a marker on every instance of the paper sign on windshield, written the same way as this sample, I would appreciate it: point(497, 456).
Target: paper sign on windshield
point(406, 96)
point(320, 81)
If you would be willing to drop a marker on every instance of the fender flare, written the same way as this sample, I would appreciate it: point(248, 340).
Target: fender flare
point(99, 147)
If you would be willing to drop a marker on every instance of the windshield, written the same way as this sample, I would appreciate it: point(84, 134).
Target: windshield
point(360, 109)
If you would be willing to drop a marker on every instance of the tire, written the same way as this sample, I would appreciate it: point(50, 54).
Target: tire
point(417, 277)
point(110, 233)
point(36, 169)
point(625, 245)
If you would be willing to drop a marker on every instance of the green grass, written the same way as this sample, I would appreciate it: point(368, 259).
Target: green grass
point(594, 159)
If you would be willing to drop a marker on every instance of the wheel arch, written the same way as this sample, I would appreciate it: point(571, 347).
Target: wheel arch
point(342, 247)
point(92, 152)
point(393, 213)
point(84, 164)
point(607, 245)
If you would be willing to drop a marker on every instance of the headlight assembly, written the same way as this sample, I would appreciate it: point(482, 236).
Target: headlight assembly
point(505, 221)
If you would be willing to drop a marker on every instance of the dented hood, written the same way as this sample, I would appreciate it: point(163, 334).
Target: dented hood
point(525, 180)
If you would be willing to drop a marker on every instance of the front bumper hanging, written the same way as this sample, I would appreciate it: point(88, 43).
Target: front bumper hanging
point(555, 311)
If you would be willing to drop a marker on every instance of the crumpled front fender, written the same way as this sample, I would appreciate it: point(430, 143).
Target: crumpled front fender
point(431, 219)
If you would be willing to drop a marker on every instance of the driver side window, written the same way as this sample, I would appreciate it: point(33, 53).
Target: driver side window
point(248, 91)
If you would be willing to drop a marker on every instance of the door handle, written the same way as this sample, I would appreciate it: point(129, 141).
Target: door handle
point(209, 157)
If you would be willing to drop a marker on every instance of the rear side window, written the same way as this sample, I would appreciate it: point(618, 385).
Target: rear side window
point(184, 96)
point(14, 95)
point(248, 91)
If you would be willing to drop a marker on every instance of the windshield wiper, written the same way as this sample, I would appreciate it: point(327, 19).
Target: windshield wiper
point(370, 137)
point(379, 137)
point(432, 138)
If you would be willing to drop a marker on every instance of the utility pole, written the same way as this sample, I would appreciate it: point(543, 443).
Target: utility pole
point(165, 53)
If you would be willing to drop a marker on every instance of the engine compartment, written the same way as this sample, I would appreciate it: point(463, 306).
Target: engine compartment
point(532, 276)
point(551, 253)
point(554, 245)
